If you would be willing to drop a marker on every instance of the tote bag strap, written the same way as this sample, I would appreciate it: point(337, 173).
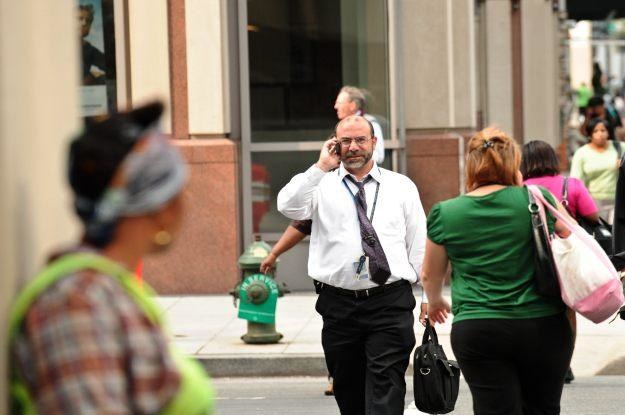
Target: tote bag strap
point(574, 228)
point(565, 194)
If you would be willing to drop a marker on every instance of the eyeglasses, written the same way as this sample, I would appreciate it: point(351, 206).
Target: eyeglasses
point(360, 141)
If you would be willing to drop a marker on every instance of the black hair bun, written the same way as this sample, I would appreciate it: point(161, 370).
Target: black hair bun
point(95, 155)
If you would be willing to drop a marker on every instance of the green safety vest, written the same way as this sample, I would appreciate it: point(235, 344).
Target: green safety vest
point(195, 394)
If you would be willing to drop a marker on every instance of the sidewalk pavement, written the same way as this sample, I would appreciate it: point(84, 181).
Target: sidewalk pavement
point(207, 328)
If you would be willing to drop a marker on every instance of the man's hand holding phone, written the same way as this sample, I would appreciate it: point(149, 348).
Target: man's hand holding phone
point(330, 156)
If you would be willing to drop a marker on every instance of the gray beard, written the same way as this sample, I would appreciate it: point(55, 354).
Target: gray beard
point(358, 164)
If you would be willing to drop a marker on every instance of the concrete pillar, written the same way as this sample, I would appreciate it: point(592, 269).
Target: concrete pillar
point(204, 258)
point(149, 54)
point(38, 113)
point(439, 65)
point(540, 72)
point(207, 67)
point(498, 64)
point(439, 73)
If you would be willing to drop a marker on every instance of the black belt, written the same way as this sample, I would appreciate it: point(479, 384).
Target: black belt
point(366, 293)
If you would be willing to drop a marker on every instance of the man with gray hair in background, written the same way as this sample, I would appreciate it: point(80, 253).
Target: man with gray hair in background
point(352, 101)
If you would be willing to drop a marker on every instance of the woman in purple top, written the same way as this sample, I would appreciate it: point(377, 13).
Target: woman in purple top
point(540, 166)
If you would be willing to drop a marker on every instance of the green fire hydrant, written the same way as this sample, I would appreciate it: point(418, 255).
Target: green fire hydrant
point(258, 295)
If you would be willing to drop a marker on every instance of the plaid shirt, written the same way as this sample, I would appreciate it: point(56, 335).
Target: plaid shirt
point(86, 348)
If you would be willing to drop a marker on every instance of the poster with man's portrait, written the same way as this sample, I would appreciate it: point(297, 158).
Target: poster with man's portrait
point(97, 45)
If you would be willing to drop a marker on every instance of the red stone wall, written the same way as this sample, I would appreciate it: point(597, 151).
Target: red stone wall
point(432, 160)
point(203, 260)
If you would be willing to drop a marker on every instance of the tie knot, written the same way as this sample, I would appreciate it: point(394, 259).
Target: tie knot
point(361, 184)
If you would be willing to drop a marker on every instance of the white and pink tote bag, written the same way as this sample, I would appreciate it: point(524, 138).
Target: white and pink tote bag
point(589, 282)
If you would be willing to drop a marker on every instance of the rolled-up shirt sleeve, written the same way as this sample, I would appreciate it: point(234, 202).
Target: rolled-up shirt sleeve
point(297, 199)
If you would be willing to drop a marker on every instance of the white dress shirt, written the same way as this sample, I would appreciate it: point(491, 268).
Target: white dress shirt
point(335, 242)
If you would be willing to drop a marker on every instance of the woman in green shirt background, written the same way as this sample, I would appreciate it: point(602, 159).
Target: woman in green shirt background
point(513, 346)
point(596, 164)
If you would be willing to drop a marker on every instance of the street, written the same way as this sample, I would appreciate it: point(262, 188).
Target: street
point(304, 395)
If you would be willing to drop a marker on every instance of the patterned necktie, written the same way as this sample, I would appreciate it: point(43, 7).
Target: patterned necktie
point(378, 264)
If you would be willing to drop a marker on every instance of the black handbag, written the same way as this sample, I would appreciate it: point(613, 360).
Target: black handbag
point(436, 379)
point(545, 273)
point(601, 231)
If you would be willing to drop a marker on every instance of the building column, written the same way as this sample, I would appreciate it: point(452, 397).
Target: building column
point(204, 258)
point(497, 64)
point(149, 55)
point(38, 113)
point(540, 68)
point(178, 69)
point(438, 56)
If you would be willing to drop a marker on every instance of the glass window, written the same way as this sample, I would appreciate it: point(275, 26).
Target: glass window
point(270, 172)
point(98, 71)
point(301, 52)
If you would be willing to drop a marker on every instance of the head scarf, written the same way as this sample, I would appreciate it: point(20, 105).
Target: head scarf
point(148, 177)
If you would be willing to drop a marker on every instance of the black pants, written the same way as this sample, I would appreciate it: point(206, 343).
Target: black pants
point(367, 344)
point(514, 367)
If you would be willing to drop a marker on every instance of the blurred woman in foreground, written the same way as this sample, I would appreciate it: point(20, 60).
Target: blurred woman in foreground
point(84, 337)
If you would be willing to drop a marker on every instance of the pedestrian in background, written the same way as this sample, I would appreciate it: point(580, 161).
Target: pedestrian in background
point(84, 337)
point(513, 346)
point(596, 164)
point(597, 109)
point(583, 95)
point(352, 101)
point(366, 249)
point(540, 166)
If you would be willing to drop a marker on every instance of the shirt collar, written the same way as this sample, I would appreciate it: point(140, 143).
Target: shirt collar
point(375, 172)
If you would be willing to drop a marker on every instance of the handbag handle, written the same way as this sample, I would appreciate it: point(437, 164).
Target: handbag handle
point(574, 228)
point(539, 219)
point(430, 332)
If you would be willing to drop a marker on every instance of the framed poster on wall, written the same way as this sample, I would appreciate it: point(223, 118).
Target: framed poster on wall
point(96, 25)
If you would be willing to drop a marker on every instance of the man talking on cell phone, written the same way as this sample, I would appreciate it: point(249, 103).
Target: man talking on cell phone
point(366, 249)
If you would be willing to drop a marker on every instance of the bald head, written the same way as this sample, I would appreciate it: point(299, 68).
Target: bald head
point(354, 121)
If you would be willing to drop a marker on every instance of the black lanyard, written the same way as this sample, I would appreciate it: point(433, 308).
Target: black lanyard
point(355, 196)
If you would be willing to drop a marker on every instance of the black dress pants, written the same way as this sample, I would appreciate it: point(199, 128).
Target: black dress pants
point(367, 344)
point(514, 367)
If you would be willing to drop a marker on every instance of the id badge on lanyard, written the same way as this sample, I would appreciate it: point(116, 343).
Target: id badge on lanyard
point(361, 268)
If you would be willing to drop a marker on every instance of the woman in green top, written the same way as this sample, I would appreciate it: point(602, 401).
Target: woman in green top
point(596, 164)
point(513, 346)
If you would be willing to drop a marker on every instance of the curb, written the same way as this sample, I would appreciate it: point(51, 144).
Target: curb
point(267, 365)
point(272, 365)
point(615, 367)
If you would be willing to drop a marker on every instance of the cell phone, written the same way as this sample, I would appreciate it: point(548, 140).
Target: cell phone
point(337, 149)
